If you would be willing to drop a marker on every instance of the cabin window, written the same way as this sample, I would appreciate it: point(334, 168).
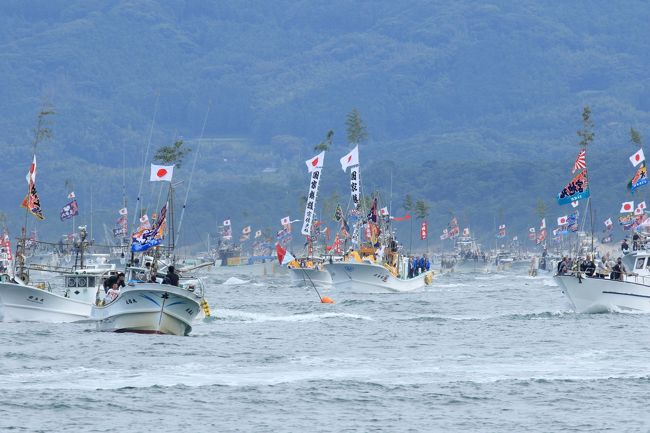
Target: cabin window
point(639, 263)
point(91, 281)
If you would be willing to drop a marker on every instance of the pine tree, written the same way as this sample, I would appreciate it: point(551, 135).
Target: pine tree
point(357, 133)
point(635, 137)
point(326, 143)
point(586, 134)
point(172, 154)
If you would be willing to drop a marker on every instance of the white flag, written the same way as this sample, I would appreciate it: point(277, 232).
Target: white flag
point(627, 207)
point(161, 173)
point(315, 163)
point(351, 159)
point(285, 221)
point(543, 225)
point(637, 158)
point(562, 220)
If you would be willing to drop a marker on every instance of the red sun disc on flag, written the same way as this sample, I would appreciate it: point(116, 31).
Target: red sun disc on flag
point(349, 158)
point(637, 157)
point(161, 172)
point(627, 206)
point(314, 162)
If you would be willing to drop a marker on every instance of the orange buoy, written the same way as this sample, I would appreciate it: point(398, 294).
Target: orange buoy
point(326, 300)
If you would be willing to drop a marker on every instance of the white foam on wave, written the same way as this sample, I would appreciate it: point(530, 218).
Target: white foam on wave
point(303, 317)
point(234, 281)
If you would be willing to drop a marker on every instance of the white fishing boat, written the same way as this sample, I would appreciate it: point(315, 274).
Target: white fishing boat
point(310, 273)
point(368, 276)
point(39, 302)
point(597, 295)
point(150, 308)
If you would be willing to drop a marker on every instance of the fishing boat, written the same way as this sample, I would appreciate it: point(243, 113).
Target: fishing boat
point(366, 275)
point(309, 271)
point(146, 304)
point(150, 308)
point(39, 302)
point(598, 295)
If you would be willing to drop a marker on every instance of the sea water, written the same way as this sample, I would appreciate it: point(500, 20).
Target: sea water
point(487, 352)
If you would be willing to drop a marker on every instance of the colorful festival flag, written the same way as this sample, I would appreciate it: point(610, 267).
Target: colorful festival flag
point(577, 189)
point(69, 210)
point(142, 240)
point(640, 178)
point(424, 230)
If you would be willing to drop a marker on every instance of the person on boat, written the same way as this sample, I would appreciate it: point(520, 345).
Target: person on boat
point(625, 247)
point(636, 240)
point(171, 278)
point(588, 267)
point(114, 279)
point(563, 266)
point(602, 270)
point(427, 263)
point(618, 270)
point(112, 293)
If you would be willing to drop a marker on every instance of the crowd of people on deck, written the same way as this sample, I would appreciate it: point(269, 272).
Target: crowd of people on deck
point(114, 283)
point(418, 265)
point(603, 268)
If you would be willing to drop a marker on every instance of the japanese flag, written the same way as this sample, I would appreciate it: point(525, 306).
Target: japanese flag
point(246, 230)
point(351, 159)
point(562, 220)
point(641, 205)
point(637, 158)
point(71, 195)
point(316, 163)
point(161, 173)
point(383, 211)
point(638, 211)
point(543, 225)
point(575, 203)
point(226, 223)
point(258, 234)
point(627, 207)
point(531, 230)
point(124, 211)
point(285, 221)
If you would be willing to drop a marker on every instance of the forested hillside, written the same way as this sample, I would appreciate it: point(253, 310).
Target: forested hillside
point(471, 106)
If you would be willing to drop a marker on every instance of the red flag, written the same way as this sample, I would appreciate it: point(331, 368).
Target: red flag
point(404, 218)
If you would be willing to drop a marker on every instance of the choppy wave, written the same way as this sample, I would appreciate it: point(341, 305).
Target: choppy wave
point(239, 315)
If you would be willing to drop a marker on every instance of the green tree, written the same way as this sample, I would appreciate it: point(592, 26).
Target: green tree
point(357, 132)
point(172, 154)
point(43, 130)
point(541, 208)
point(408, 203)
point(635, 137)
point(326, 143)
point(421, 209)
point(586, 134)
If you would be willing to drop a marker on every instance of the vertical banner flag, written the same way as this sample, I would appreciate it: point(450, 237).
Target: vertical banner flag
point(314, 167)
point(424, 230)
point(352, 160)
point(32, 202)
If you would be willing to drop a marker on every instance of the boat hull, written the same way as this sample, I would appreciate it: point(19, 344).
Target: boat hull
point(371, 277)
point(319, 277)
point(21, 303)
point(596, 295)
point(471, 267)
point(149, 308)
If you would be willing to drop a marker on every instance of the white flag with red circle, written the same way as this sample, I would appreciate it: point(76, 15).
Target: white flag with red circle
point(316, 163)
point(351, 159)
point(161, 173)
point(562, 220)
point(627, 207)
point(637, 158)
